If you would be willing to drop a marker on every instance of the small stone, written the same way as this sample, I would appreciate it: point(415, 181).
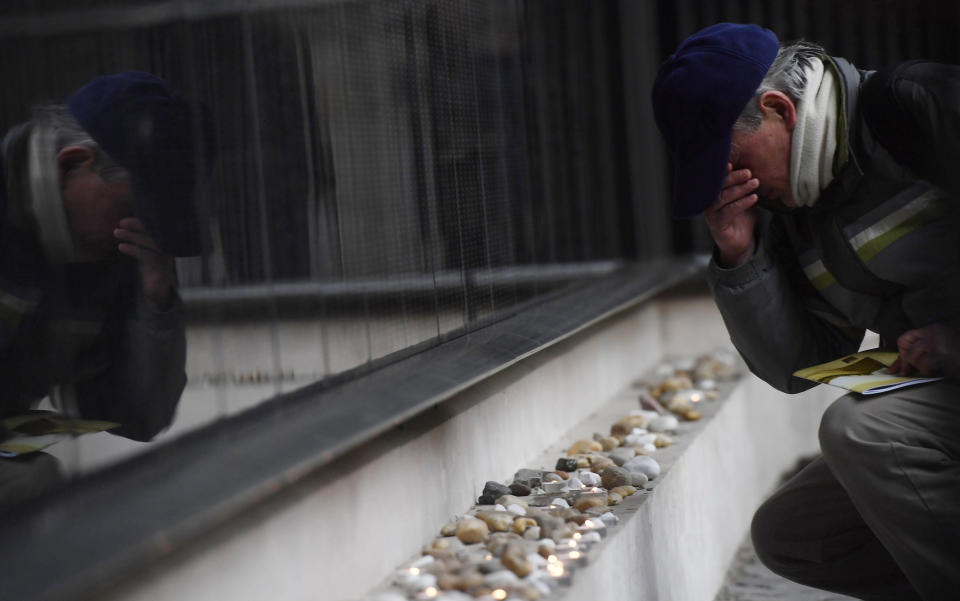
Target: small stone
point(584, 446)
point(532, 533)
point(563, 475)
point(707, 384)
point(643, 464)
point(546, 547)
point(582, 461)
point(589, 478)
point(520, 525)
point(495, 489)
point(609, 519)
point(621, 455)
point(649, 447)
point(712, 395)
point(624, 491)
point(692, 415)
point(516, 509)
point(609, 443)
point(638, 479)
point(574, 483)
point(472, 530)
point(486, 500)
point(528, 477)
point(471, 580)
point(554, 486)
point(498, 521)
point(640, 439)
point(596, 511)
point(508, 500)
point(499, 507)
point(537, 491)
point(625, 425)
point(552, 477)
point(598, 462)
point(449, 529)
point(566, 464)
point(614, 499)
point(614, 476)
point(520, 490)
point(664, 423)
point(662, 441)
point(515, 560)
point(591, 537)
point(588, 501)
point(559, 502)
point(447, 581)
point(500, 579)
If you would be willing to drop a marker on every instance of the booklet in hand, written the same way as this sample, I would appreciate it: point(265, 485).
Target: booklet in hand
point(864, 372)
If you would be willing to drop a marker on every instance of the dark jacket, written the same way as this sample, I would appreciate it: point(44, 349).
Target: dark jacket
point(879, 250)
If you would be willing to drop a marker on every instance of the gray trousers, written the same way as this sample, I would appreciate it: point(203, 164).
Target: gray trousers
point(878, 515)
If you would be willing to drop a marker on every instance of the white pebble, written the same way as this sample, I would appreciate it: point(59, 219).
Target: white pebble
point(560, 502)
point(637, 432)
point(664, 423)
point(554, 486)
point(516, 509)
point(649, 447)
point(537, 491)
point(590, 537)
point(644, 464)
point(551, 477)
point(425, 560)
point(536, 560)
point(707, 384)
point(589, 478)
point(549, 542)
point(532, 533)
point(499, 507)
point(574, 483)
point(609, 519)
point(501, 579)
point(641, 439)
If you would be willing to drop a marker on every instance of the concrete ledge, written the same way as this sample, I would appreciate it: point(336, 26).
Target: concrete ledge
point(337, 532)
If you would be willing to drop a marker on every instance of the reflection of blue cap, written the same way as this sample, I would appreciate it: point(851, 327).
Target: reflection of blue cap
point(699, 93)
point(153, 132)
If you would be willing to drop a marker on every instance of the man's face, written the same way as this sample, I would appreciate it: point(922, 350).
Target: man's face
point(94, 207)
point(766, 151)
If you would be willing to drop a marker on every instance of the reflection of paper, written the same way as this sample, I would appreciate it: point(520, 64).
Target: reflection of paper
point(37, 430)
point(864, 372)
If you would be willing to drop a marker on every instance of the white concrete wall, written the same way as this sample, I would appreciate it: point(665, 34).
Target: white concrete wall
point(335, 535)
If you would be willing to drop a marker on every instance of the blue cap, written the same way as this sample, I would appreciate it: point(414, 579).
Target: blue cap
point(698, 95)
point(162, 140)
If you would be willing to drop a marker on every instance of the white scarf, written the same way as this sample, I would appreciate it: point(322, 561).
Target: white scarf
point(814, 138)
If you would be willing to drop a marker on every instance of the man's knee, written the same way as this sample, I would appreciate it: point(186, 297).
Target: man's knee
point(767, 522)
point(841, 428)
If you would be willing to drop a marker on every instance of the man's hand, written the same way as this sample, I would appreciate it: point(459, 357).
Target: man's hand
point(732, 217)
point(156, 267)
point(927, 351)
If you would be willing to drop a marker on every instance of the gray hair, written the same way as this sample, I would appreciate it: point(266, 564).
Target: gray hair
point(786, 75)
point(68, 132)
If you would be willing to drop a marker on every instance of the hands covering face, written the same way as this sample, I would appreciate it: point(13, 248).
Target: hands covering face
point(156, 267)
point(732, 217)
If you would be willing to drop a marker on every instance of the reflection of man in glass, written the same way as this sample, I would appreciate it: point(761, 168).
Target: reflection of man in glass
point(98, 199)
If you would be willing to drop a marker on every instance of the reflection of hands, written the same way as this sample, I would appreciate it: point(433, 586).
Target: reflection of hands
point(928, 351)
point(732, 217)
point(156, 267)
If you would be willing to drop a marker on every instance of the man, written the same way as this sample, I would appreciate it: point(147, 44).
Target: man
point(856, 170)
point(99, 196)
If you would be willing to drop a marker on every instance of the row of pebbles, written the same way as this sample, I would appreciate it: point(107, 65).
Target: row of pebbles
point(524, 539)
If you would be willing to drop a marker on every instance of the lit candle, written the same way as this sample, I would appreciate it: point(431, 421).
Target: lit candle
point(431, 592)
point(499, 594)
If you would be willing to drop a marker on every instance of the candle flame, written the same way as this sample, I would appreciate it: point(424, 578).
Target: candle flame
point(555, 569)
point(488, 557)
point(574, 554)
point(499, 594)
point(552, 559)
point(572, 543)
point(431, 591)
point(695, 398)
point(577, 536)
point(414, 571)
point(589, 524)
